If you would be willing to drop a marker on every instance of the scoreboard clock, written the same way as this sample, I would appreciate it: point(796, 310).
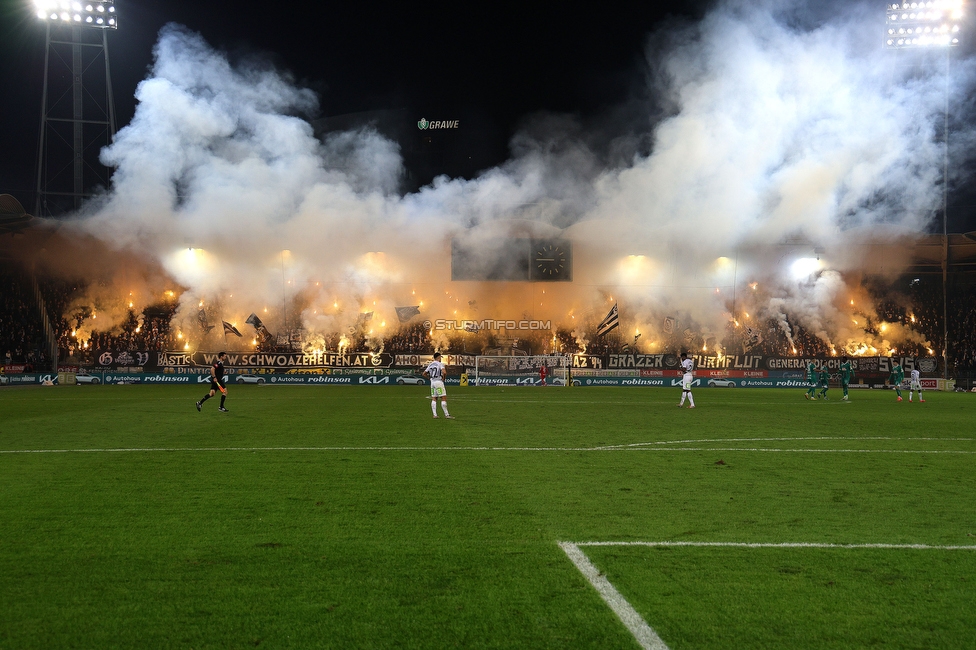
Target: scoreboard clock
point(512, 260)
point(550, 261)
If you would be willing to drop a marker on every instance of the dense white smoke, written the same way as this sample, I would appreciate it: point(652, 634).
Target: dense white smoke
point(782, 146)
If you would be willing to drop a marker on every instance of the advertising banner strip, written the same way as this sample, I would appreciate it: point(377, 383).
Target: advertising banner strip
point(114, 378)
point(644, 365)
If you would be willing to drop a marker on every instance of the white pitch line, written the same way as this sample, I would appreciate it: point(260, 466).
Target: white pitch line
point(560, 449)
point(914, 547)
point(785, 439)
point(645, 635)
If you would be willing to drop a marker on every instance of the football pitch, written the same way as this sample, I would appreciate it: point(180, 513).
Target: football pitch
point(346, 517)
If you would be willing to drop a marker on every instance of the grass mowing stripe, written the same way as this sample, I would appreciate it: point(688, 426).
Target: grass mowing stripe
point(643, 633)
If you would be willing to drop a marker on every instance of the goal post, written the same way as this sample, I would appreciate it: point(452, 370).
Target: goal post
point(521, 371)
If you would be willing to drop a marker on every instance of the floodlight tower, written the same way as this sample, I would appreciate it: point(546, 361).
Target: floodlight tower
point(931, 24)
point(75, 124)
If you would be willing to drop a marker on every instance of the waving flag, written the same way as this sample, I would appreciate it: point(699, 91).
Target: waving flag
point(609, 323)
point(259, 326)
point(406, 313)
point(230, 329)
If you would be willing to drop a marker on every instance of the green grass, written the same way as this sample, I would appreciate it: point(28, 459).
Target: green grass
point(345, 517)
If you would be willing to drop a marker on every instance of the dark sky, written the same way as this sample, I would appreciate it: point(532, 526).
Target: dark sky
point(491, 66)
point(486, 64)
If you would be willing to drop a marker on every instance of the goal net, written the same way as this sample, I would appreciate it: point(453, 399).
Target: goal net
point(521, 371)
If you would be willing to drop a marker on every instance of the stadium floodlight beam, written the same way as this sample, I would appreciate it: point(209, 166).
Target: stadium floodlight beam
point(98, 15)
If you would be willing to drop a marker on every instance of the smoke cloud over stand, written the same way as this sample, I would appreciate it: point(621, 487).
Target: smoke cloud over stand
point(792, 161)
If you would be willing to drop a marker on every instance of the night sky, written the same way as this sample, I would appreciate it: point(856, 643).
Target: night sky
point(490, 67)
point(495, 68)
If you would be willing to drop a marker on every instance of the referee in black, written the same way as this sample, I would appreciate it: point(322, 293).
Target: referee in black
point(216, 383)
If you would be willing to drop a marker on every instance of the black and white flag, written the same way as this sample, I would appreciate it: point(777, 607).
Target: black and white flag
point(609, 323)
point(230, 329)
point(406, 313)
point(254, 321)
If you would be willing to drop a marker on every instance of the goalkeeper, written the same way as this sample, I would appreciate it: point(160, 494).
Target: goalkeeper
point(897, 377)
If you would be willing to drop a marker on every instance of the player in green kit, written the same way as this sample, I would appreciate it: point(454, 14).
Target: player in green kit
point(897, 377)
point(812, 377)
point(823, 381)
point(846, 375)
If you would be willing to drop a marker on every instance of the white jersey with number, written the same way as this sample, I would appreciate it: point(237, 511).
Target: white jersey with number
point(436, 371)
point(915, 381)
point(688, 365)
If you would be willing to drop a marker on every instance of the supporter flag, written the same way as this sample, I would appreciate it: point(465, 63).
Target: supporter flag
point(669, 325)
point(205, 325)
point(259, 326)
point(406, 313)
point(609, 323)
point(365, 317)
point(753, 338)
point(230, 329)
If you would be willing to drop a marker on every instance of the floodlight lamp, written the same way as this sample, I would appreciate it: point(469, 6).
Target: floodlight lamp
point(77, 11)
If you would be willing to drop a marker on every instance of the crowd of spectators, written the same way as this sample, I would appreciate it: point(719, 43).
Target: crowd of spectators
point(410, 339)
point(915, 303)
point(962, 328)
point(21, 331)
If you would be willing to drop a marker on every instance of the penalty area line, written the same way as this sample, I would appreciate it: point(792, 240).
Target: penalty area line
point(825, 545)
point(643, 633)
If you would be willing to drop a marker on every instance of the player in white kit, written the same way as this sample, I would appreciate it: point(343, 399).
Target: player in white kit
point(915, 383)
point(688, 365)
point(436, 371)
